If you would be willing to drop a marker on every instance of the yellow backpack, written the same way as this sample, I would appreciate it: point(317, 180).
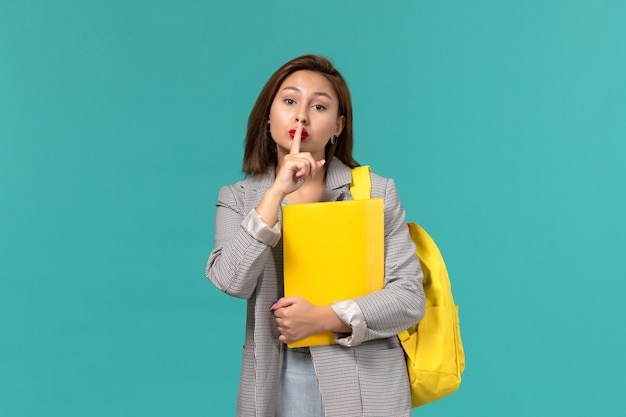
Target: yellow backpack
point(434, 351)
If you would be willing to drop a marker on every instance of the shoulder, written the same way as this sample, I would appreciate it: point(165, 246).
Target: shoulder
point(395, 220)
point(382, 187)
point(259, 182)
point(235, 195)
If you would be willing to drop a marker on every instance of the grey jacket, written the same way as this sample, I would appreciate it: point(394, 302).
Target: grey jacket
point(369, 379)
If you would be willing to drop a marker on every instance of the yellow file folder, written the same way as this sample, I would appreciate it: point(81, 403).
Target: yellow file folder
point(333, 251)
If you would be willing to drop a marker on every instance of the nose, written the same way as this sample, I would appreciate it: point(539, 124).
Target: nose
point(301, 117)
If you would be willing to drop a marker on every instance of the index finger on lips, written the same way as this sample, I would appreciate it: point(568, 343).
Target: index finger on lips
point(297, 137)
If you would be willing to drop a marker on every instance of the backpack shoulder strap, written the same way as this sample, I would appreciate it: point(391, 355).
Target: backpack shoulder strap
point(361, 185)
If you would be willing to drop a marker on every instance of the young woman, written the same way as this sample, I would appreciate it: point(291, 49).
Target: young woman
point(298, 149)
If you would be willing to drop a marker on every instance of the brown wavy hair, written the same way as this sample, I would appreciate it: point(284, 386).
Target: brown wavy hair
point(260, 150)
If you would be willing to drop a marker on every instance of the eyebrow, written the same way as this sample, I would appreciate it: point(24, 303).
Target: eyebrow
point(317, 93)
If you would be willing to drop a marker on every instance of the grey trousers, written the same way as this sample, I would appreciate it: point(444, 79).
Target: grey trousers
point(299, 394)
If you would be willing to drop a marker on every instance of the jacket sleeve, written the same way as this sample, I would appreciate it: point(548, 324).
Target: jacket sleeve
point(400, 304)
point(243, 245)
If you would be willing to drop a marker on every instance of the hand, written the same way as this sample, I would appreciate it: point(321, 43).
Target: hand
point(296, 319)
point(291, 172)
point(296, 166)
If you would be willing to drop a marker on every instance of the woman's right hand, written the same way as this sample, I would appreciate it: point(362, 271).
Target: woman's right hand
point(296, 167)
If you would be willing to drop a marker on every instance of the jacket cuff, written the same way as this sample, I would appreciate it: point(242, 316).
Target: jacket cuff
point(350, 313)
point(258, 229)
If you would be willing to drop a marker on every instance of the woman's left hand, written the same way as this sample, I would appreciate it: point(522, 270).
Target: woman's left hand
point(298, 318)
point(295, 318)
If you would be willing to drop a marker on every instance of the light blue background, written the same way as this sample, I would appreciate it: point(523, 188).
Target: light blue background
point(501, 121)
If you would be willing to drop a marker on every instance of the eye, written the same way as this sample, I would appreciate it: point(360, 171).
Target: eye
point(319, 107)
point(289, 101)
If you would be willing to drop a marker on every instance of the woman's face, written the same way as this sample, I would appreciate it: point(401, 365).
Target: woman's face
point(306, 97)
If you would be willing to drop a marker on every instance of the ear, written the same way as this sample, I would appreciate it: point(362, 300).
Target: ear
point(341, 121)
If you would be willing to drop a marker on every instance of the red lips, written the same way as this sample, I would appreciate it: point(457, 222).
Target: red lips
point(305, 134)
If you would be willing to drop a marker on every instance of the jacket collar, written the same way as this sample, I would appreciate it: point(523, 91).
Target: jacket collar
point(338, 179)
point(339, 175)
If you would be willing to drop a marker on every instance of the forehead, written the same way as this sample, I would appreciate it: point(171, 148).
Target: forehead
point(308, 81)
